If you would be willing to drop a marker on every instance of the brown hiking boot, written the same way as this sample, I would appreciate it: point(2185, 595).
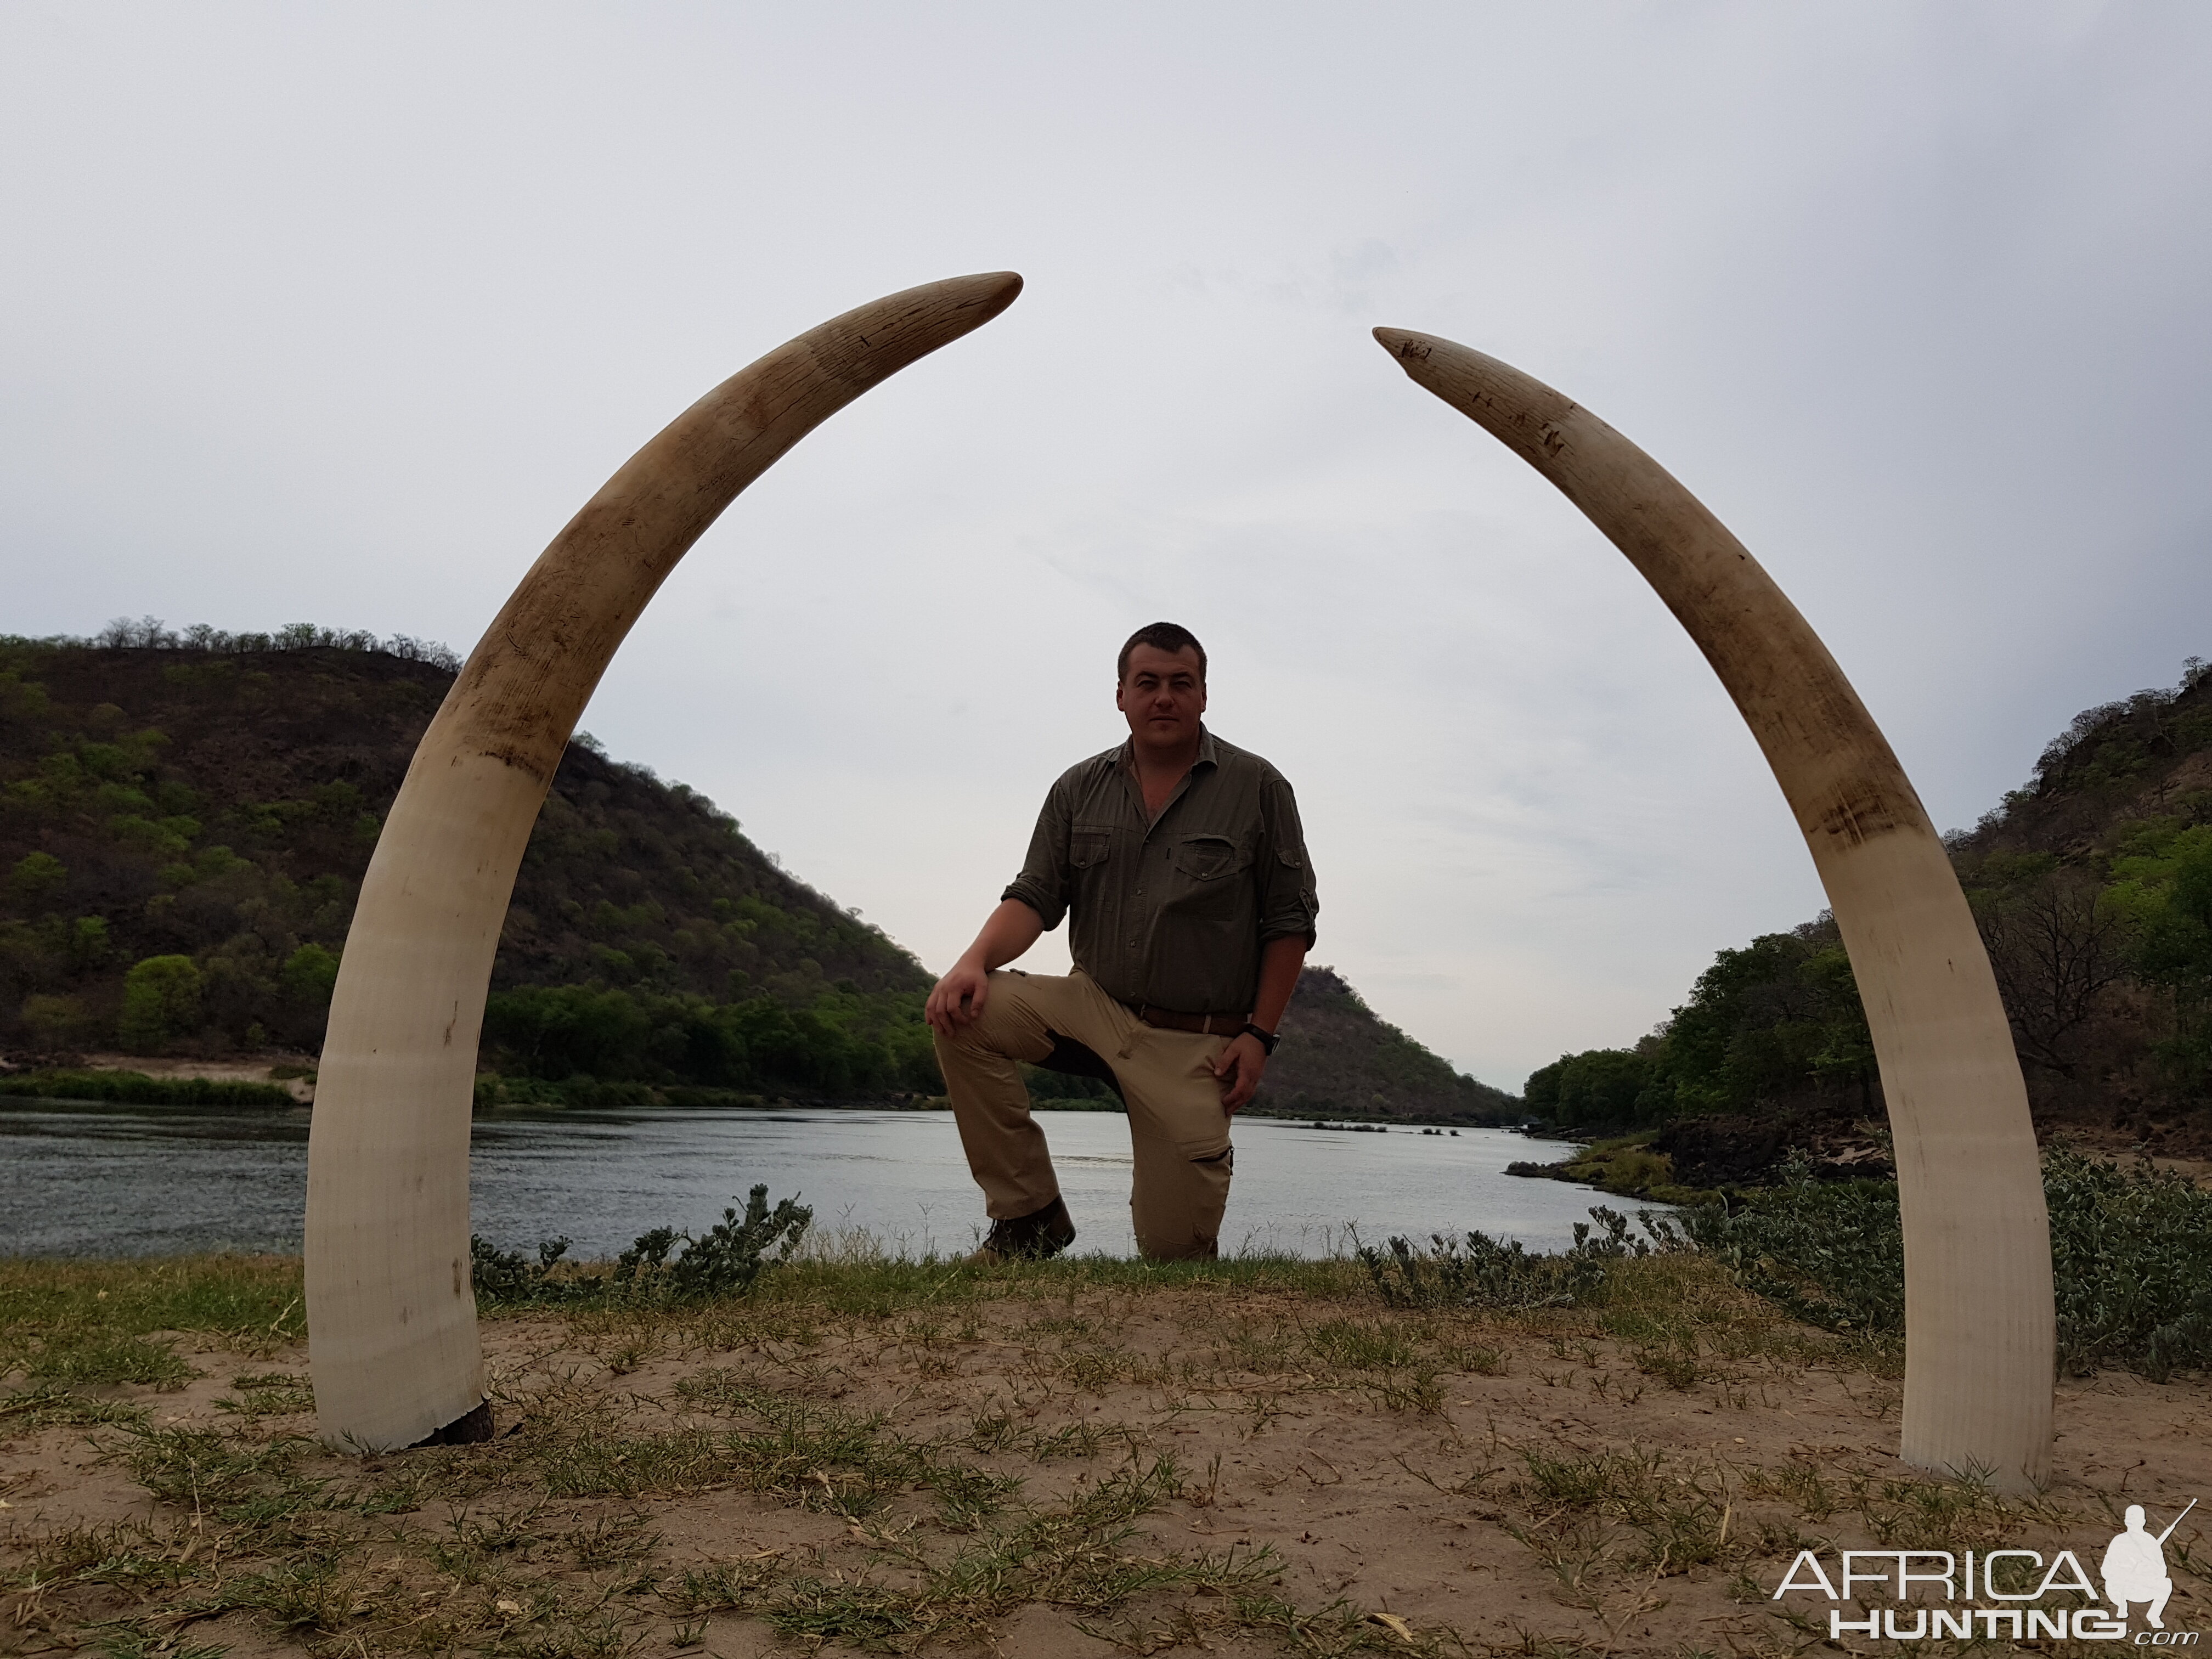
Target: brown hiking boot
point(1031, 1237)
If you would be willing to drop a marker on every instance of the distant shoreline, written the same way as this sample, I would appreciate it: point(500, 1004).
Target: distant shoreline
point(286, 1081)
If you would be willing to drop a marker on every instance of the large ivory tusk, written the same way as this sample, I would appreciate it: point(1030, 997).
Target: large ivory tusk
point(1979, 1332)
point(391, 1315)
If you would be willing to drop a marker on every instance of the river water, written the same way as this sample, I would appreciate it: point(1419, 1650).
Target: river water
point(135, 1181)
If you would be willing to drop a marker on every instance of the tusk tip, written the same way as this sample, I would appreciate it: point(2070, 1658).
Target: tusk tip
point(994, 290)
point(1403, 343)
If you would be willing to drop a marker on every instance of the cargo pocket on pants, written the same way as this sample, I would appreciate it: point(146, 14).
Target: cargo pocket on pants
point(1224, 1156)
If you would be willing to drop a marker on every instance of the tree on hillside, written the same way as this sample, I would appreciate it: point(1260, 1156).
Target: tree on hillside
point(160, 1003)
point(2058, 945)
point(2163, 886)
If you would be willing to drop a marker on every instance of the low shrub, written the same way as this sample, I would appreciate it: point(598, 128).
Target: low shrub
point(510, 1277)
point(725, 1261)
point(2131, 1255)
point(1487, 1272)
point(1831, 1252)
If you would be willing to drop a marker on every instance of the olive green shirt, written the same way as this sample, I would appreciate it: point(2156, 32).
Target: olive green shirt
point(1171, 912)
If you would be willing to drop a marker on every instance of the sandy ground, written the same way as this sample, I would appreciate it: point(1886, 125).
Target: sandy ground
point(1407, 1482)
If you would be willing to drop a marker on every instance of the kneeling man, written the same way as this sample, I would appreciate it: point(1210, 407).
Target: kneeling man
point(1180, 863)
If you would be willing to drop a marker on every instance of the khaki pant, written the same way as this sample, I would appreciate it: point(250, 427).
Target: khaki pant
point(1178, 1128)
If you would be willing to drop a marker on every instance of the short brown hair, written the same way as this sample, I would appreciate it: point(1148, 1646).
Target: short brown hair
point(1170, 637)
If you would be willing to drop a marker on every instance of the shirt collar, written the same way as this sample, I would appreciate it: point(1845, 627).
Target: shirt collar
point(1209, 753)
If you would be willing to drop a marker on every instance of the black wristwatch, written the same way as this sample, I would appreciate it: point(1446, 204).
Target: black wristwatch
point(1268, 1039)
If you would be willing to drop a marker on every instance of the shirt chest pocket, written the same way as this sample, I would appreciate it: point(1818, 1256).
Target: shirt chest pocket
point(1210, 860)
point(1088, 844)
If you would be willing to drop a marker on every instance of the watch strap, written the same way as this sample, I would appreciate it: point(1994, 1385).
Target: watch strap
point(1268, 1039)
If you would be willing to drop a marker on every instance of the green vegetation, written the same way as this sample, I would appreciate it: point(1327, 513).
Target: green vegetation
point(840, 1041)
point(1488, 1272)
point(2131, 1252)
point(79, 1323)
point(1627, 1166)
point(1779, 1019)
point(161, 1002)
point(136, 1089)
point(2092, 886)
point(183, 823)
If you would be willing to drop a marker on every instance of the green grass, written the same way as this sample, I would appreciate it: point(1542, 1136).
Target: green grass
point(75, 1356)
point(875, 1286)
point(76, 1324)
point(30, 1410)
point(249, 1304)
point(820, 1456)
point(1080, 1554)
point(208, 1473)
point(269, 1393)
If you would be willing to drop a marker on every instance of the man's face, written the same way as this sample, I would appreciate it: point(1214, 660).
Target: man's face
point(1162, 696)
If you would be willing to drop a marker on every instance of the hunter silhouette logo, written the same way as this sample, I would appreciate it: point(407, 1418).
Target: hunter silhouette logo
point(1989, 1593)
point(2134, 1567)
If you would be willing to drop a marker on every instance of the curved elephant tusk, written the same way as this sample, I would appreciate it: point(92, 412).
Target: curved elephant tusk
point(390, 1314)
point(1980, 1344)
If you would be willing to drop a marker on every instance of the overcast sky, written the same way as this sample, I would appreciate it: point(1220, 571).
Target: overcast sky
point(337, 313)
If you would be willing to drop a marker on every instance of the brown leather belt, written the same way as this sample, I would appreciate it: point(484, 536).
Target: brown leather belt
point(1206, 1024)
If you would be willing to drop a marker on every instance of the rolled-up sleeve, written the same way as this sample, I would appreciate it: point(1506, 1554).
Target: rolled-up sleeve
point(1288, 904)
point(1043, 883)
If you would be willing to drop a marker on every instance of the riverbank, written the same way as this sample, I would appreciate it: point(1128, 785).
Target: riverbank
point(1707, 1160)
point(1071, 1458)
point(285, 1079)
point(131, 1088)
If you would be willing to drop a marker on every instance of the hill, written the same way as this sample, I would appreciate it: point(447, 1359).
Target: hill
point(1337, 1059)
point(183, 832)
point(185, 821)
point(2093, 886)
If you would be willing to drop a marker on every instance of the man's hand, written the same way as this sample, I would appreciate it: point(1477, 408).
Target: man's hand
point(957, 1000)
point(959, 997)
point(1239, 1066)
